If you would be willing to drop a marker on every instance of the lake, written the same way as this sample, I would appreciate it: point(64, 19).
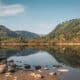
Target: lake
point(66, 57)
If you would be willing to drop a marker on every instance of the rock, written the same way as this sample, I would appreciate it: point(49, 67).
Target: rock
point(8, 74)
point(46, 68)
point(36, 75)
point(32, 74)
point(27, 66)
point(11, 69)
point(15, 78)
point(39, 71)
point(11, 66)
point(4, 61)
point(37, 67)
point(11, 61)
point(52, 73)
point(57, 66)
point(3, 68)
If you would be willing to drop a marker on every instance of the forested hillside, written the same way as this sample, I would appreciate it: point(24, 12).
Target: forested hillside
point(69, 30)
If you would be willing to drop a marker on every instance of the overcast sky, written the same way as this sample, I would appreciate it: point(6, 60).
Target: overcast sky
point(39, 16)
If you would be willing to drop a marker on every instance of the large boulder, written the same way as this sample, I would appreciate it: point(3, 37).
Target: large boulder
point(3, 68)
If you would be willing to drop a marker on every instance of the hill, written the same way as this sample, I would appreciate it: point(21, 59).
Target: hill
point(27, 35)
point(69, 30)
point(7, 33)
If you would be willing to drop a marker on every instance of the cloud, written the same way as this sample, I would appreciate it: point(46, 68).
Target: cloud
point(9, 10)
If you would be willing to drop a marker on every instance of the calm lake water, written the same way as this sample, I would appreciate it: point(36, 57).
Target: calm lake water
point(68, 58)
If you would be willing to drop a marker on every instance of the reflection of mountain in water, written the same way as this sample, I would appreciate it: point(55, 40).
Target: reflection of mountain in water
point(68, 56)
point(5, 53)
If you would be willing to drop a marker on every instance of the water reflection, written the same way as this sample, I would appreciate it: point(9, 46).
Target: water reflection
point(39, 58)
point(67, 57)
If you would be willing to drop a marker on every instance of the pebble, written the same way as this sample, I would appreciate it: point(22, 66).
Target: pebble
point(37, 67)
point(36, 75)
point(27, 66)
point(46, 68)
point(39, 71)
point(52, 73)
point(8, 74)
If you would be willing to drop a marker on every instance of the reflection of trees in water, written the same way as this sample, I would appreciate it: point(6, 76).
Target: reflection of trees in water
point(5, 53)
point(68, 56)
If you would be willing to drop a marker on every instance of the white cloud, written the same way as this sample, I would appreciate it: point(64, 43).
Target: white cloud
point(9, 10)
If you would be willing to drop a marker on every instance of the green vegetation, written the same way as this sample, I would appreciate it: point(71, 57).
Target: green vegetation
point(67, 55)
point(66, 31)
point(6, 34)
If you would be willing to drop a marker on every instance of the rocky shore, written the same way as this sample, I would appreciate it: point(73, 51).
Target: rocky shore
point(29, 75)
point(10, 71)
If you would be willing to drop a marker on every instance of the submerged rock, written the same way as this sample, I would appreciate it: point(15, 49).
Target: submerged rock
point(27, 66)
point(37, 67)
point(46, 68)
point(52, 73)
point(57, 66)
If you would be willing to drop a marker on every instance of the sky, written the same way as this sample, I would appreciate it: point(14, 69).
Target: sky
point(38, 16)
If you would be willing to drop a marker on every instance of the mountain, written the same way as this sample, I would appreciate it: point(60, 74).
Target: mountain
point(27, 35)
point(7, 33)
point(69, 30)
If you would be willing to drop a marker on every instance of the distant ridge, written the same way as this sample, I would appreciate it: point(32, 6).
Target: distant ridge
point(27, 34)
point(7, 33)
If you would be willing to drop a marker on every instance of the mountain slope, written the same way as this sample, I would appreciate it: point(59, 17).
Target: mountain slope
point(68, 30)
point(27, 35)
point(7, 33)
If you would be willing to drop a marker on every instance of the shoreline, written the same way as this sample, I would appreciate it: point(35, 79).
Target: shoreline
point(10, 71)
point(40, 44)
point(29, 75)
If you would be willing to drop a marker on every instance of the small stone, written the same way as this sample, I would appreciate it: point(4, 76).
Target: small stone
point(38, 67)
point(39, 71)
point(8, 74)
point(11, 66)
point(32, 74)
point(11, 61)
point(57, 66)
point(26, 66)
point(46, 68)
point(15, 78)
point(36, 75)
point(11, 69)
point(52, 73)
